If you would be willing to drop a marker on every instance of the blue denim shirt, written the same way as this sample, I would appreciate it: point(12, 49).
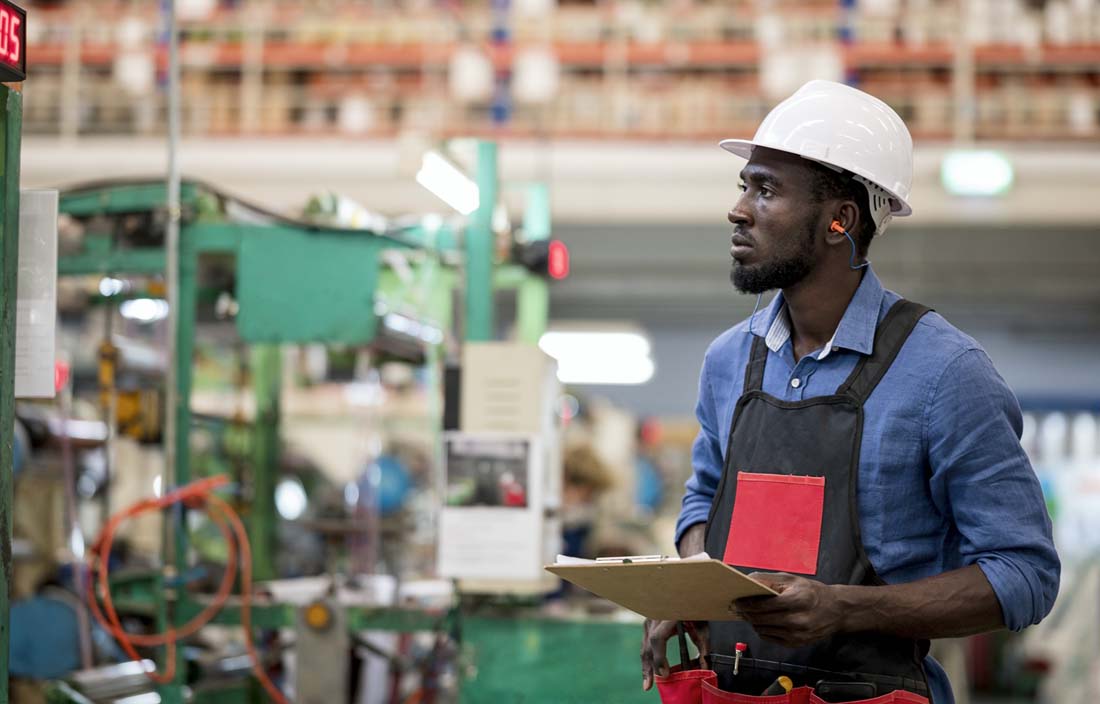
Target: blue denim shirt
point(943, 480)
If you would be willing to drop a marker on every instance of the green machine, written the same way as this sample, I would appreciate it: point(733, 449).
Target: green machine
point(281, 269)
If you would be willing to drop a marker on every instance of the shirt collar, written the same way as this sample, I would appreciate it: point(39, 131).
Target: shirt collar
point(857, 326)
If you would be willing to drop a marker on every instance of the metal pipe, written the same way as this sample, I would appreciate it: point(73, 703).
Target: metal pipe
point(171, 242)
point(174, 474)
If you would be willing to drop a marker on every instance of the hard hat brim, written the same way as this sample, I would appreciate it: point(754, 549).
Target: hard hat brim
point(740, 147)
point(743, 148)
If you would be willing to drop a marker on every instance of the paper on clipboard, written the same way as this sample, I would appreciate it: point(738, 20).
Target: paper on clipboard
point(696, 588)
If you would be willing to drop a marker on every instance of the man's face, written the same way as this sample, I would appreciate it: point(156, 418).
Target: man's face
point(774, 223)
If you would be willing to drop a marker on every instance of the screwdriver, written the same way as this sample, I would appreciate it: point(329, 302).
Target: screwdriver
point(782, 685)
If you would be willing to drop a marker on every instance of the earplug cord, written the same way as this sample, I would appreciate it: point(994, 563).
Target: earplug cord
point(752, 318)
point(837, 227)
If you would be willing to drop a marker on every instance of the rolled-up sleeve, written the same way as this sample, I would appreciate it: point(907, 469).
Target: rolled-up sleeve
point(982, 479)
point(706, 461)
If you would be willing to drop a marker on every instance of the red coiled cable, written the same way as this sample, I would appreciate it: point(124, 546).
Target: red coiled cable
point(198, 495)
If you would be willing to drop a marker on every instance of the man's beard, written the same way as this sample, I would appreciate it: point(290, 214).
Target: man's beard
point(779, 272)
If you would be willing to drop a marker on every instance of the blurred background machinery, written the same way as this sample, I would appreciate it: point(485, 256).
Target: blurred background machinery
point(400, 219)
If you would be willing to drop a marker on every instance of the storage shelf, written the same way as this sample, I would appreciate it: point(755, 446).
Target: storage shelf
point(644, 71)
point(316, 55)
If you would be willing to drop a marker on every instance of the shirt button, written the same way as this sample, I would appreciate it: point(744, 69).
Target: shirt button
point(796, 382)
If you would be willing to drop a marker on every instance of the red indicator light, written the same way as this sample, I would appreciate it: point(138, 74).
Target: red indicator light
point(557, 263)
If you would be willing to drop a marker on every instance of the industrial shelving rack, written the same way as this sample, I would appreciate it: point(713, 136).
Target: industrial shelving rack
point(693, 69)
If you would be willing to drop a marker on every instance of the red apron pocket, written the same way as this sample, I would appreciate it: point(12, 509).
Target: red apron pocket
point(713, 695)
point(684, 686)
point(776, 523)
point(896, 697)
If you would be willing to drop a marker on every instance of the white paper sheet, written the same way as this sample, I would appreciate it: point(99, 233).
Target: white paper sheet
point(567, 560)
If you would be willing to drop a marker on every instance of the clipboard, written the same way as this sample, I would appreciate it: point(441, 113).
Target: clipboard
point(698, 588)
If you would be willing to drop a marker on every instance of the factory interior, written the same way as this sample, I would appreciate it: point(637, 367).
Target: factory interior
point(327, 325)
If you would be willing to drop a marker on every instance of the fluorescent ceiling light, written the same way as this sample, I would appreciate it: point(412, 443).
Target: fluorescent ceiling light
point(448, 183)
point(591, 357)
point(976, 173)
point(144, 310)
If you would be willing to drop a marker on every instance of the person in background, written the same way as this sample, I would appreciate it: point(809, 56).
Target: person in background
point(857, 453)
point(586, 477)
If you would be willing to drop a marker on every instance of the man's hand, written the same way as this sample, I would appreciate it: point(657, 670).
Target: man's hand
point(805, 611)
point(949, 605)
point(655, 639)
point(656, 634)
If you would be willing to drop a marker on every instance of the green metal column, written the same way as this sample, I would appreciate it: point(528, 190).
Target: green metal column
point(533, 296)
point(267, 372)
point(185, 350)
point(479, 249)
point(532, 308)
point(11, 115)
point(185, 347)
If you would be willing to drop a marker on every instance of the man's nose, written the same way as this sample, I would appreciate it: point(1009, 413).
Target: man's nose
point(738, 215)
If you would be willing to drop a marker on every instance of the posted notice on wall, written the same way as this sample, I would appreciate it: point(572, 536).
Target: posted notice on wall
point(36, 298)
point(491, 523)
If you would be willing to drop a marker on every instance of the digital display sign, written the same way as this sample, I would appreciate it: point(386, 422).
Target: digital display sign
point(13, 42)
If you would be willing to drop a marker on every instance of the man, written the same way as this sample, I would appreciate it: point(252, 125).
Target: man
point(857, 453)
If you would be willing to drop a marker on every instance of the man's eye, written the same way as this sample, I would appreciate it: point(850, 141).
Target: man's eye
point(766, 192)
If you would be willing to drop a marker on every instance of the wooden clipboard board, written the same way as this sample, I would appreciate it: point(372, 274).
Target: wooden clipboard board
point(667, 590)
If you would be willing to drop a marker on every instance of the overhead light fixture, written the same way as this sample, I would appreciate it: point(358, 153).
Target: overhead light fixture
point(976, 173)
point(599, 357)
point(447, 182)
point(144, 310)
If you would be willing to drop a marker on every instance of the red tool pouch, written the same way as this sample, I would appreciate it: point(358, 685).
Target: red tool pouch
point(713, 695)
point(685, 686)
point(684, 683)
point(799, 695)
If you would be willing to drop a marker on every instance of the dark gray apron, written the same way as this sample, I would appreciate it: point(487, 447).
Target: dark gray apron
point(770, 442)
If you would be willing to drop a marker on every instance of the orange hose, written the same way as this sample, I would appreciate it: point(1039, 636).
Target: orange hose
point(196, 495)
point(246, 598)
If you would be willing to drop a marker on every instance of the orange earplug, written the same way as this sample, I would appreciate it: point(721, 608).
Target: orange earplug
point(837, 227)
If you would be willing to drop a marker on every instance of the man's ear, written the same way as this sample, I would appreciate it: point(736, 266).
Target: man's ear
point(847, 214)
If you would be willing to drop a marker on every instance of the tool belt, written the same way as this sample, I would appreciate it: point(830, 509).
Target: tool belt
point(690, 685)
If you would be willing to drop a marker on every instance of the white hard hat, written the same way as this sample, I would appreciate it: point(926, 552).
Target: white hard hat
point(843, 128)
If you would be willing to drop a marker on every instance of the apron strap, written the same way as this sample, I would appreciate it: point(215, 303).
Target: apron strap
point(890, 336)
point(754, 370)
